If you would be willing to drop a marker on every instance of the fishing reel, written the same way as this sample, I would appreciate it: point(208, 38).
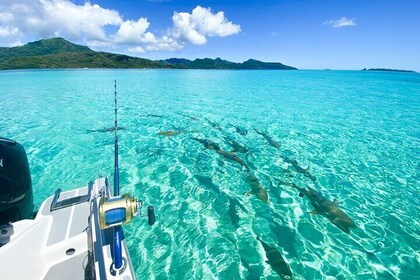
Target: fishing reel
point(120, 210)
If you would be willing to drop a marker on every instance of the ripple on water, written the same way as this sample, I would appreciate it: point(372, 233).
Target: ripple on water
point(357, 133)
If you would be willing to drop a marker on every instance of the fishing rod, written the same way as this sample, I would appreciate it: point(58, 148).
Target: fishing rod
point(116, 167)
point(117, 210)
point(118, 233)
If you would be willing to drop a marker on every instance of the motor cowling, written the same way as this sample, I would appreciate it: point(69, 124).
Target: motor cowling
point(16, 197)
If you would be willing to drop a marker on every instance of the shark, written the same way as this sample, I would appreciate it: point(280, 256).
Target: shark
point(257, 188)
point(240, 130)
point(327, 208)
point(236, 147)
point(213, 146)
point(270, 140)
point(234, 203)
point(214, 125)
point(189, 117)
point(232, 156)
point(106, 129)
point(151, 116)
point(298, 168)
point(169, 133)
point(276, 261)
point(208, 144)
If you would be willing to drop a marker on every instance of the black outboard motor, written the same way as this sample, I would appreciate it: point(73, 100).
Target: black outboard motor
point(16, 198)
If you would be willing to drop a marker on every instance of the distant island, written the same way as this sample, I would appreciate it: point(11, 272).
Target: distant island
point(388, 70)
point(59, 53)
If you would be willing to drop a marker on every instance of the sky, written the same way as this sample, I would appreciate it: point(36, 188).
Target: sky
point(317, 34)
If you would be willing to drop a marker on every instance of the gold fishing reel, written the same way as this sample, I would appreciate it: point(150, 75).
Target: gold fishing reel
point(117, 211)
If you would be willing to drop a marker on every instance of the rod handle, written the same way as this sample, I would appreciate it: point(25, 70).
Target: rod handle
point(151, 215)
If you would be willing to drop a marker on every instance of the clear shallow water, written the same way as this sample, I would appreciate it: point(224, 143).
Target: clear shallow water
point(358, 133)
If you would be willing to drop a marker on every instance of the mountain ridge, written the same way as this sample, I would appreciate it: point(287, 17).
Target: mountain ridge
point(388, 70)
point(60, 53)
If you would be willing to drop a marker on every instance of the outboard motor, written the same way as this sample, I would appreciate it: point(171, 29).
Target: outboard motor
point(16, 198)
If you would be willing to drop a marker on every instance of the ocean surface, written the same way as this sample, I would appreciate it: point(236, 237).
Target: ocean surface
point(352, 136)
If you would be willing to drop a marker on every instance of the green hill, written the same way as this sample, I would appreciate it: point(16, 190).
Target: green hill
point(202, 63)
point(388, 70)
point(39, 48)
point(219, 63)
point(59, 53)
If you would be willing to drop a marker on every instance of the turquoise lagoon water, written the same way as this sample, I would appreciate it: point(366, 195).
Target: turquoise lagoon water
point(357, 132)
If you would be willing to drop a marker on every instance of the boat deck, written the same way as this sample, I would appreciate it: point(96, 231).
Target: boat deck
point(64, 241)
point(53, 246)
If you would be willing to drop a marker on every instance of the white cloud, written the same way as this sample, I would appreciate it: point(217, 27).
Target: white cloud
point(165, 43)
point(7, 31)
point(134, 32)
point(17, 43)
point(75, 21)
point(5, 17)
point(96, 44)
point(88, 23)
point(341, 22)
point(136, 50)
point(200, 23)
point(46, 18)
